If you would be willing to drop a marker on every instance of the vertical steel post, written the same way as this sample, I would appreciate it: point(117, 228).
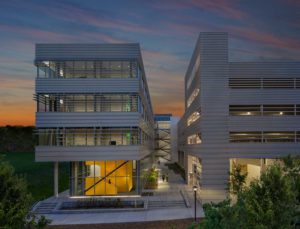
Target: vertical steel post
point(56, 179)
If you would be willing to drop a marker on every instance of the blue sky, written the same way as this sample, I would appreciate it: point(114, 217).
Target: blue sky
point(166, 30)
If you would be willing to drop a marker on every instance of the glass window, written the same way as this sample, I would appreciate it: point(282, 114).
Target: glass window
point(245, 136)
point(267, 136)
point(297, 81)
point(52, 69)
point(105, 103)
point(134, 103)
point(47, 137)
point(116, 137)
point(244, 110)
point(193, 118)
point(298, 136)
point(133, 69)
point(194, 139)
point(278, 110)
point(116, 102)
point(164, 125)
point(68, 103)
point(41, 72)
point(127, 136)
point(69, 137)
point(262, 82)
point(297, 109)
point(90, 69)
point(194, 72)
point(68, 70)
point(98, 103)
point(79, 69)
point(90, 137)
point(89, 103)
point(79, 103)
point(60, 137)
point(126, 69)
point(285, 136)
point(244, 83)
point(135, 139)
point(105, 69)
point(105, 136)
point(192, 97)
point(278, 83)
point(87, 69)
point(126, 103)
point(79, 65)
point(79, 137)
point(115, 69)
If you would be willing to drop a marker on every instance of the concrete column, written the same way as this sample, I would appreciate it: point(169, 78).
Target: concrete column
point(56, 179)
point(75, 178)
point(138, 186)
point(215, 177)
point(189, 169)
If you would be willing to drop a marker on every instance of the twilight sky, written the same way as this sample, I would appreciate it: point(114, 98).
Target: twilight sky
point(166, 30)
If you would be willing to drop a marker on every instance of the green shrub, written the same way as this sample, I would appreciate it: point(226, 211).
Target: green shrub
point(15, 201)
point(269, 202)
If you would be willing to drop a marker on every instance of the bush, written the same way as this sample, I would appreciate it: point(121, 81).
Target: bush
point(151, 179)
point(15, 201)
point(269, 202)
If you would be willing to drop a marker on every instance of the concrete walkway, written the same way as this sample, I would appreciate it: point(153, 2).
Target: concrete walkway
point(167, 203)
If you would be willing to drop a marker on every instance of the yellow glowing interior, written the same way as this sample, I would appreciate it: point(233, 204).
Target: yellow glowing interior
point(120, 181)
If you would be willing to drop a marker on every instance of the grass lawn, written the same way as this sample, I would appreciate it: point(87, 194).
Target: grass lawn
point(39, 175)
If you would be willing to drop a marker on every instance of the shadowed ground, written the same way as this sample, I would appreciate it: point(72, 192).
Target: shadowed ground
point(166, 224)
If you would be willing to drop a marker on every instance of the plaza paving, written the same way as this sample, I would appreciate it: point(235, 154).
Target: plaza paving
point(172, 200)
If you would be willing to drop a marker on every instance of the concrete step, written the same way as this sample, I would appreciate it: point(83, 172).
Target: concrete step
point(45, 207)
point(166, 204)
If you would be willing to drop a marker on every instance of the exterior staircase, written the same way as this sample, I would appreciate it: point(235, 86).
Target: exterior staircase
point(45, 207)
point(156, 204)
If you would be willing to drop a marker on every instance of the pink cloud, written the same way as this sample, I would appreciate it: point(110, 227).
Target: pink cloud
point(291, 2)
point(183, 29)
point(40, 35)
point(263, 37)
point(226, 8)
point(76, 14)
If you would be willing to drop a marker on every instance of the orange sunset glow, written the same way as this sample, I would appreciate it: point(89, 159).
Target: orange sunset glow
point(166, 31)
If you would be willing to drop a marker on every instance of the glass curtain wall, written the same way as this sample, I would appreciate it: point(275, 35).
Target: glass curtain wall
point(87, 103)
point(87, 69)
point(91, 136)
point(96, 178)
point(108, 178)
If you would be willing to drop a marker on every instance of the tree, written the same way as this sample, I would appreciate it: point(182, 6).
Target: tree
point(292, 169)
point(237, 179)
point(15, 201)
point(269, 202)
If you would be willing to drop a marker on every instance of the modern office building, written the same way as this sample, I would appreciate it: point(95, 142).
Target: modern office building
point(165, 137)
point(94, 111)
point(245, 113)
